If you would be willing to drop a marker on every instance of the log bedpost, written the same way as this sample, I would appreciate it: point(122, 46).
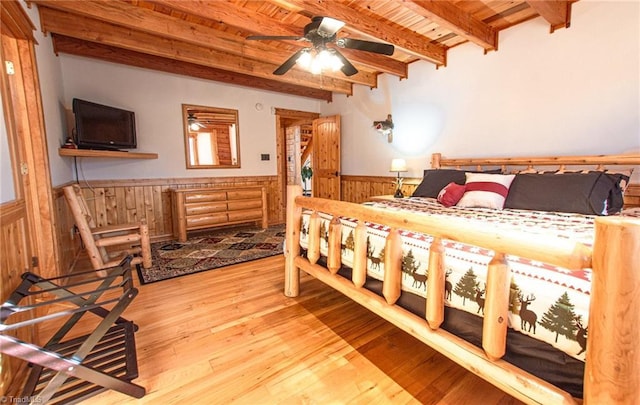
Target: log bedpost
point(612, 367)
point(435, 160)
point(292, 242)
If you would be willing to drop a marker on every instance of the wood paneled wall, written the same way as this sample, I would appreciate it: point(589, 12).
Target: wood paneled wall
point(632, 196)
point(14, 260)
point(122, 201)
point(358, 189)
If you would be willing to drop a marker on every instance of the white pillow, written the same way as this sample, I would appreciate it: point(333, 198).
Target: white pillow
point(485, 190)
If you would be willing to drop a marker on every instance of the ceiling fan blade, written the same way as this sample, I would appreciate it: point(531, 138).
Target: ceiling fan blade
point(288, 64)
point(329, 26)
point(358, 44)
point(275, 38)
point(347, 67)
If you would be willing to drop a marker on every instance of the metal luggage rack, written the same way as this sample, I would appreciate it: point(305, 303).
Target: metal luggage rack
point(70, 371)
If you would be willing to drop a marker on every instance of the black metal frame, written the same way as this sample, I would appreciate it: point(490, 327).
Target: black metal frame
point(104, 359)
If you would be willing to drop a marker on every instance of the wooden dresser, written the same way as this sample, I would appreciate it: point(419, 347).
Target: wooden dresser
point(200, 208)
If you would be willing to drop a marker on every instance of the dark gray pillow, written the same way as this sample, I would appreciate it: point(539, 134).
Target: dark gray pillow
point(615, 202)
point(436, 179)
point(583, 193)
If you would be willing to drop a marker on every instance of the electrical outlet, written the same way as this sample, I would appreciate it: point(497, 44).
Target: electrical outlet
point(265, 156)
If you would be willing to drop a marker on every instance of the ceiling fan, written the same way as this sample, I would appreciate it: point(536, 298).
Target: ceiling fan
point(320, 32)
point(193, 122)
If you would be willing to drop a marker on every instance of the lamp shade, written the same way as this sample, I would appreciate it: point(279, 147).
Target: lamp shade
point(398, 165)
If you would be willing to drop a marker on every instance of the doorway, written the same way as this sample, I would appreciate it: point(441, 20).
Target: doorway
point(293, 137)
point(295, 132)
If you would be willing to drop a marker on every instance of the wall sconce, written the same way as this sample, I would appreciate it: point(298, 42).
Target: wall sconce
point(385, 127)
point(398, 165)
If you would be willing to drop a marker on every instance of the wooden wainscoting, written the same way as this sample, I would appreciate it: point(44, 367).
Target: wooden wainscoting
point(358, 189)
point(121, 201)
point(632, 196)
point(14, 260)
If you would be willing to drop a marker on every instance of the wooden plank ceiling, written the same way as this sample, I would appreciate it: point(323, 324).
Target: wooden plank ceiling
point(207, 39)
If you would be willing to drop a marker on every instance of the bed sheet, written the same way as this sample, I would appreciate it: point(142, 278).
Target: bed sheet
point(547, 303)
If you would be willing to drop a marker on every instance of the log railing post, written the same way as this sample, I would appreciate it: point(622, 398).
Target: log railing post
point(392, 282)
point(359, 273)
point(334, 250)
point(435, 285)
point(496, 308)
point(612, 366)
point(292, 242)
point(313, 247)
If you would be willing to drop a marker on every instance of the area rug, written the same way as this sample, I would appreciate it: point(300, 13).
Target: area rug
point(212, 250)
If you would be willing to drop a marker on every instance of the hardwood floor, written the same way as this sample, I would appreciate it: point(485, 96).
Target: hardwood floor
point(231, 336)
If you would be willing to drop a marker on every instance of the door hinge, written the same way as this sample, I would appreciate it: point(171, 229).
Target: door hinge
point(34, 261)
point(24, 169)
point(8, 67)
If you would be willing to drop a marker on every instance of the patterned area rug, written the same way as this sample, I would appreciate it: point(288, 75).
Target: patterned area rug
point(212, 250)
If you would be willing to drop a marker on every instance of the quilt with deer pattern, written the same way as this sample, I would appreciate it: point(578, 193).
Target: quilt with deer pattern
point(547, 303)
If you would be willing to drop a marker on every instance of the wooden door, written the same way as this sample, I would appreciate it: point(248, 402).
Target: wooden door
point(326, 157)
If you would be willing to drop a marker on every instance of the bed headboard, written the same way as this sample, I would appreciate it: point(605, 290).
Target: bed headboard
point(561, 163)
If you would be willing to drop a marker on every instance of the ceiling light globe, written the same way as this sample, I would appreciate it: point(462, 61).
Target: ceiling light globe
point(335, 63)
point(316, 66)
point(325, 58)
point(305, 60)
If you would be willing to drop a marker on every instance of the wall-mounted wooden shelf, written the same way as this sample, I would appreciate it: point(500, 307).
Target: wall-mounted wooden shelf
point(106, 154)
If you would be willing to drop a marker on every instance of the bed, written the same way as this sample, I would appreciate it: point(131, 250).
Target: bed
point(413, 266)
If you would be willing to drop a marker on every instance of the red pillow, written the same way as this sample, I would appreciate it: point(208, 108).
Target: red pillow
point(451, 194)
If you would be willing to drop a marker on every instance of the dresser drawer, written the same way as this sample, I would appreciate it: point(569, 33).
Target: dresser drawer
point(243, 194)
point(200, 221)
point(245, 215)
point(204, 196)
point(244, 205)
point(200, 208)
point(205, 208)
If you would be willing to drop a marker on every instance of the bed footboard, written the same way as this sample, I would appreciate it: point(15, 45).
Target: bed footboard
point(613, 359)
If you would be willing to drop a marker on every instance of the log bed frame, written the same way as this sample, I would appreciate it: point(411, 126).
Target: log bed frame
point(612, 367)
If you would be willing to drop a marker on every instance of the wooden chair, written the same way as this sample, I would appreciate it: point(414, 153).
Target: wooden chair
point(135, 236)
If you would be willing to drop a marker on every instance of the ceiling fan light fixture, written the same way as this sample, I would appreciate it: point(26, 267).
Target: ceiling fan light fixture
point(305, 59)
point(317, 61)
point(193, 123)
point(320, 32)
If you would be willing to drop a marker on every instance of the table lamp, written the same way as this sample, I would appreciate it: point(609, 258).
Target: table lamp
point(398, 165)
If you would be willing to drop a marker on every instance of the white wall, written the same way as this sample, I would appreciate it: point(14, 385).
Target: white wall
point(157, 98)
point(576, 91)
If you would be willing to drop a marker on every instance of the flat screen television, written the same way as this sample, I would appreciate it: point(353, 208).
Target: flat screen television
point(103, 127)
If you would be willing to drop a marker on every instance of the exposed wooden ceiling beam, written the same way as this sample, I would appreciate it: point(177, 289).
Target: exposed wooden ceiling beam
point(233, 15)
point(117, 36)
point(452, 17)
point(107, 53)
point(556, 12)
point(135, 18)
point(357, 21)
